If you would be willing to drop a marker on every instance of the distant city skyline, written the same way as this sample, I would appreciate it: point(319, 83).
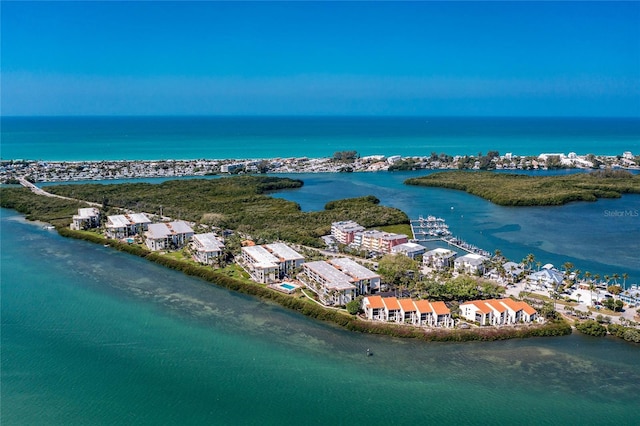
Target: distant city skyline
point(307, 58)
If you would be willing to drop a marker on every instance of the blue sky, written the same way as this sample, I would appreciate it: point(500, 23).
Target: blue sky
point(303, 58)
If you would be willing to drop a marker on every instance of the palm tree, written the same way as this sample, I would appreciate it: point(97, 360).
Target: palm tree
point(606, 280)
point(529, 260)
point(592, 288)
point(587, 275)
point(538, 264)
point(624, 277)
point(615, 278)
point(568, 266)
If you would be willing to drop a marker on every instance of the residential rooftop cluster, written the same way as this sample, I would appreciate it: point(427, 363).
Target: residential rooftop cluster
point(339, 280)
point(60, 171)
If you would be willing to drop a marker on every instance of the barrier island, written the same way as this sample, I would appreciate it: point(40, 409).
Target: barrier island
point(507, 189)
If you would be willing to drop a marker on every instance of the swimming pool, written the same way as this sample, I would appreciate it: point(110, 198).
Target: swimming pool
point(130, 240)
point(288, 286)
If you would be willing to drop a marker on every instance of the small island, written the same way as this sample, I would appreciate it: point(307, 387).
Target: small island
point(508, 189)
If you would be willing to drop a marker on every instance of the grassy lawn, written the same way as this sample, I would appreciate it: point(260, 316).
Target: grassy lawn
point(235, 271)
point(398, 229)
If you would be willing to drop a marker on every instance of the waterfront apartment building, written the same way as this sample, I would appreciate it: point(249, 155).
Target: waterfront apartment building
point(288, 259)
point(127, 225)
point(407, 311)
point(365, 280)
point(411, 250)
point(86, 218)
point(345, 231)
point(378, 241)
point(471, 263)
point(332, 286)
point(270, 262)
point(546, 277)
point(206, 247)
point(168, 235)
point(498, 312)
point(439, 258)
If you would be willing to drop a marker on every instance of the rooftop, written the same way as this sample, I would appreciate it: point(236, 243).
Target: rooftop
point(353, 269)
point(335, 278)
point(374, 302)
point(283, 251)
point(164, 230)
point(209, 241)
point(261, 256)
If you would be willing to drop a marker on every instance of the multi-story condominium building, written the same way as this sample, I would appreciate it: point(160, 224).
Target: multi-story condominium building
point(546, 277)
point(378, 241)
point(439, 258)
point(498, 312)
point(122, 226)
point(271, 262)
point(365, 280)
point(206, 247)
point(332, 286)
point(86, 218)
point(470, 263)
point(261, 264)
point(345, 231)
point(168, 235)
point(410, 250)
point(409, 311)
point(288, 258)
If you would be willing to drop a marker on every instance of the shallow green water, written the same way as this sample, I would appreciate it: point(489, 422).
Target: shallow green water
point(91, 336)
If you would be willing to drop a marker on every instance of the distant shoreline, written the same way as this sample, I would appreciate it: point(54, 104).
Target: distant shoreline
point(64, 171)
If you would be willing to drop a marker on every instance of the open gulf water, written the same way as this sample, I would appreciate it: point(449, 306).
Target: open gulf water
point(151, 138)
point(93, 336)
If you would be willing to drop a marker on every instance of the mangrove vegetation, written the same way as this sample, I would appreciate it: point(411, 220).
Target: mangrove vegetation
point(507, 189)
point(240, 203)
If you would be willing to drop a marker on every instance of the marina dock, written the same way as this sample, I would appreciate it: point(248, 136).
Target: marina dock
point(434, 228)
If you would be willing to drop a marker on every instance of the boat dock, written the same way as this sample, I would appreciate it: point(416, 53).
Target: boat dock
point(430, 229)
point(435, 229)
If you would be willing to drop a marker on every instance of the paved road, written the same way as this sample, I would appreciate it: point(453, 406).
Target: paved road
point(41, 191)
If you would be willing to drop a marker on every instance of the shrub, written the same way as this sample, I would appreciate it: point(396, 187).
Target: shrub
point(592, 328)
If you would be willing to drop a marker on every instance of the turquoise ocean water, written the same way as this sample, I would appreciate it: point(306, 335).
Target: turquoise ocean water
point(92, 336)
point(136, 138)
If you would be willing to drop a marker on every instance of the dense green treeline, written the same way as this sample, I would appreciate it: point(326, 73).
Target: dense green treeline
point(240, 203)
point(595, 328)
point(524, 190)
point(56, 211)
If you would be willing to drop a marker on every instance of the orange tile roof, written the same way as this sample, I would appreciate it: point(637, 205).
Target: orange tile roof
point(482, 307)
point(440, 308)
point(511, 304)
point(375, 302)
point(528, 309)
point(391, 303)
point(495, 304)
point(518, 305)
point(423, 306)
point(407, 305)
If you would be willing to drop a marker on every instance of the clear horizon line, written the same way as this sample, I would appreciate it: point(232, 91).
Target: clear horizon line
point(2, 116)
